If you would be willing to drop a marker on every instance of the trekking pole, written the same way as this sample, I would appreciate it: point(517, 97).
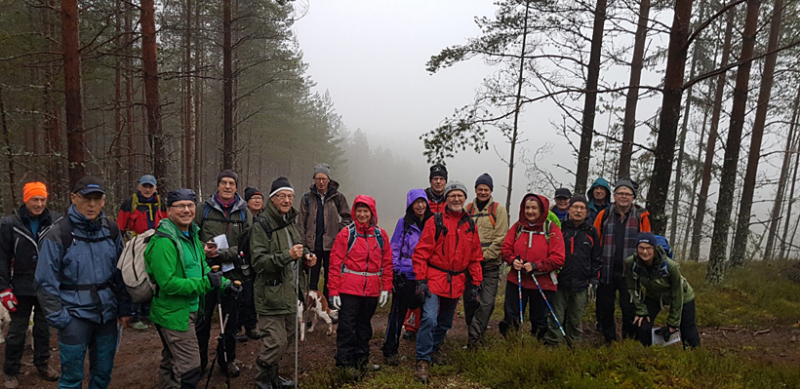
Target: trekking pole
point(519, 285)
point(296, 323)
point(220, 338)
point(560, 328)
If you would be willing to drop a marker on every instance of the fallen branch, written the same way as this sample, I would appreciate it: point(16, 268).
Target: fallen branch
point(762, 332)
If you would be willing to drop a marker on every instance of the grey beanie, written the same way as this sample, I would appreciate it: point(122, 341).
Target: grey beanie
point(628, 183)
point(323, 168)
point(455, 185)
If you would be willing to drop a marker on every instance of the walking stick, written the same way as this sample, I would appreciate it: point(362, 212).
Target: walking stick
point(296, 324)
point(560, 328)
point(221, 338)
point(519, 284)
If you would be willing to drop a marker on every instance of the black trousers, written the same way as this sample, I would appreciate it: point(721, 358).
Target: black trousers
point(689, 335)
point(401, 300)
point(538, 309)
point(606, 296)
point(247, 307)
point(323, 260)
point(354, 330)
point(230, 308)
point(15, 341)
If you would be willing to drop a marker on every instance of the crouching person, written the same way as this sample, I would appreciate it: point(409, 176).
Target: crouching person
point(276, 250)
point(80, 288)
point(175, 260)
point(654, 281)
point(360, 279)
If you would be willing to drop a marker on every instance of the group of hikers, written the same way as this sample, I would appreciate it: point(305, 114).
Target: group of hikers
point(253, 259)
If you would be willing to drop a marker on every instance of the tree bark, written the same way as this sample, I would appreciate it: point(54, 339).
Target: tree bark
point(670, 114)
point(189, 130)
point(517, 104)
point(632, 99)
point(73, 99)
point(227, 88)
point(722, 220)
point(130, 115)
point(593, 74)
point(9, 153)
point(152, 103)
point(743, 220)
point(792, 153)
point(702, 198)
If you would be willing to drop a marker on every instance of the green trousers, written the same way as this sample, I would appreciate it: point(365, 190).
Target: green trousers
point(568, 307)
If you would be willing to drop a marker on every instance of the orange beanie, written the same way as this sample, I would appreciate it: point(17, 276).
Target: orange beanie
point(33, 189)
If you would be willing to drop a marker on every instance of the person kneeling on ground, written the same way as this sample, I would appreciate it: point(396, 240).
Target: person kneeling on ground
point(655, 281)
point(361, 278)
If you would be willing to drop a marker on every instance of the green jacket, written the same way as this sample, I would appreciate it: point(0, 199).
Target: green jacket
point(177, 265)
point(658, 282)
point(275, 289)
point(492, 235)
point(215, 223)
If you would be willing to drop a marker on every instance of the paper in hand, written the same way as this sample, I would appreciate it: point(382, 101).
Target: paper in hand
point(658, 338)
point(221, 241)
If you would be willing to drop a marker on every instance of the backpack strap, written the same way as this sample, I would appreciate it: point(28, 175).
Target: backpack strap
point(493, 213)
point(438, 222)
point(206, 211)
point(470, 209)
point(67, 235)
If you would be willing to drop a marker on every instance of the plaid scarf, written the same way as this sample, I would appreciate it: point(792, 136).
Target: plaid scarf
point(631, 221)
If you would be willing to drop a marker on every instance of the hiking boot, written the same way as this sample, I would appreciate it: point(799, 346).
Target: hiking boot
point(371, 367)
point(281, 382)
point(11, 382)
point(48, 373)
point(422, 371)
point(138, 326)
point(231, 369)
point(436, 359)
point(392, 360)
point(353, 373)
point(252, 334)
point(240, 337)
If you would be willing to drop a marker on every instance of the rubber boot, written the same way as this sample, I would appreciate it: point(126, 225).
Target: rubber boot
point(72, 356)
point(267, 376)
point(101, 361)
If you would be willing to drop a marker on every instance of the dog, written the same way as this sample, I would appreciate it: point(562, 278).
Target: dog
point(5, 323)
point(315, 307)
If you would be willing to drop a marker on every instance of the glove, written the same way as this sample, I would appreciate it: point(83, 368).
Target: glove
point(665, 332)
point(8, 300)
point(215, 278)
point(384, 298)
point(398, 282)
point(422, 292)
point(474, 293)
point(336, 302)
point(234, 289)
point(593, 291)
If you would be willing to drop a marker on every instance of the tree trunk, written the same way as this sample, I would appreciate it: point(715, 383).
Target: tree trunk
point(118, 125)
point(765, 89)
point(150, 67)
point(52, 125)
point(76, 137)
point(227, 88)
point(722, 220)
point(791, 151)
point(702, 198)
point(786, 245)
point(130, 116)
point(189, 130)
point(593, 74)
point(9, 153)
point(670, 114)
point(632, 99)
point(198, 100)
point(517, 104)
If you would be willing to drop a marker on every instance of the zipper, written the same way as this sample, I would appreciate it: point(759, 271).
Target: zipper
point(35, 245)
point(366, 278)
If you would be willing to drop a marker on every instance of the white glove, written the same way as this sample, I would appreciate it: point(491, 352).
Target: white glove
point(337, 302)
point(384, 298)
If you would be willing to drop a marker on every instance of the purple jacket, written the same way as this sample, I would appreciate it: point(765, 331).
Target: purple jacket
point(405, 238)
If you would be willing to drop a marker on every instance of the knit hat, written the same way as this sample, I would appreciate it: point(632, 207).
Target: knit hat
point(147, 179)
point(438, 170)
point(485, 179)
point(229, 174)
point(280, 183)
point(33, 189)
point(647, 237)
point(454, 185)
point(628, 183)
point(181, 194)
point(563, 192)
point(578, 199)
point(249, 192)
point(323, 168)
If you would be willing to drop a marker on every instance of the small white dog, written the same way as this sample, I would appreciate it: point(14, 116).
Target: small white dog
point(316, 306)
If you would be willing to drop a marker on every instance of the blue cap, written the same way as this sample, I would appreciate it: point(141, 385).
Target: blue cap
point(147, 179)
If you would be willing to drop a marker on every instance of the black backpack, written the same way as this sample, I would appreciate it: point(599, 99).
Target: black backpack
point(67, 236)
point(245, 254)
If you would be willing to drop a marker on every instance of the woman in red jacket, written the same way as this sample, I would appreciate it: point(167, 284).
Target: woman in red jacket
point(360, 279)
point(533, 247)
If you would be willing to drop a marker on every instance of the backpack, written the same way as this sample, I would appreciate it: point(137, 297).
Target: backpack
point(207, 210)
point(546, 232)
point(492, 212)
point(245, 253)
point(438, 222)
point(352, 234)
point(664, 243)
point(67, 236)
point(134, 271)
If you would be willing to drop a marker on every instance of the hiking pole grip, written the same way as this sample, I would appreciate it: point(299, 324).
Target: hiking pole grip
point(215, 268)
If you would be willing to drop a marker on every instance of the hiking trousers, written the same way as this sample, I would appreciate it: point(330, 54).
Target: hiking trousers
point(247, 308)
point(538, 309)
point(73, 341)
point(401, 299)
point(323, 260)
point(437, 319)
point(230, 308)
point(277, 333)
point(15, 340)
point(478, 313)
point(689, 335)
point(180, 357)
point(354, 330)
point(569, 307)
point(606, 296)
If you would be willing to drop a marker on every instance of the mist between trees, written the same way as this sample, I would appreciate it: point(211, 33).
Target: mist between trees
point(184, 89)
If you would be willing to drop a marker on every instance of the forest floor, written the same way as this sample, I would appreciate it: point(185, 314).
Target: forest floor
point(745, 344)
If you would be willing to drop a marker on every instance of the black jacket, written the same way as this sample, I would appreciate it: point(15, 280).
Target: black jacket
point(583, 261)
point(19, 250)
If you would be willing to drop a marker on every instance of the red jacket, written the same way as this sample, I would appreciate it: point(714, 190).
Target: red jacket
point(458, 250)
point(145, 217)
point(366, 256)
point(534, 247)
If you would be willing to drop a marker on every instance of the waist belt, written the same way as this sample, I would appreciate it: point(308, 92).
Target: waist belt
point(450, 273)
point(92, 287)
point(361, 273)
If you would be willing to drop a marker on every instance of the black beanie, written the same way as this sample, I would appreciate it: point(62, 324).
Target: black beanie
point(578, 199)
point(250, 192)
point(485, 179)
point(181, 195)
point(229, 174)
point(280, 183)
point(438, 170)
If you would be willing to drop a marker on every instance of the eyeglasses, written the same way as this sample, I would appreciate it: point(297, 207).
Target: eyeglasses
point(283, 197)
point(456, 196)
point(185, 206)
point(646, 248)
point(321, 179)
point(623, 194)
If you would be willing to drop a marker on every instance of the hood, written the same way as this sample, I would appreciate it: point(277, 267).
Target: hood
point(370, 202)
point(413, 195)
point(543, 201)
point(80, 222)
point(600, 181)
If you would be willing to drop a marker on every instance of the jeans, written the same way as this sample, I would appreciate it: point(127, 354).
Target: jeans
point(437, 319)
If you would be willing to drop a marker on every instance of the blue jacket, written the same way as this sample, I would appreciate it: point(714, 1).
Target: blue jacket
point(595, 208)
point(406, 236)
point(90, 263)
